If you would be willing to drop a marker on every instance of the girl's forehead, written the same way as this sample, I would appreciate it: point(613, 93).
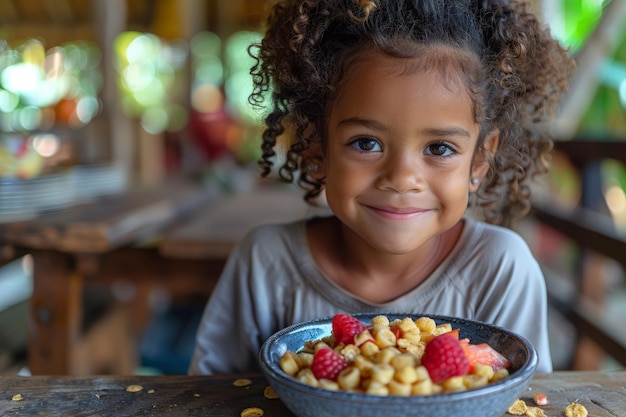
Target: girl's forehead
point(450, 66)
point(456, 69)
point(416, 57)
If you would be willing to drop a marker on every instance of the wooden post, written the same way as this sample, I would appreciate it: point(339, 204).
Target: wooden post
point(109, 19)
point(55, 313)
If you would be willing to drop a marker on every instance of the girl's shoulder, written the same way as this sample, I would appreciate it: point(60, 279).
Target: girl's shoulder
point(269, 233)
point(496, 239)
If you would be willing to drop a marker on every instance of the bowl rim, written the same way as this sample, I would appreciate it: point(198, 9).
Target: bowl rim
point(522, 375)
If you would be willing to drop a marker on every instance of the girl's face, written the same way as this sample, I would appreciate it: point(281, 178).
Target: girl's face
point(400, 146)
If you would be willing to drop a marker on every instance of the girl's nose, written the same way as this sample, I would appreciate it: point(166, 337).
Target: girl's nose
point(401, 174)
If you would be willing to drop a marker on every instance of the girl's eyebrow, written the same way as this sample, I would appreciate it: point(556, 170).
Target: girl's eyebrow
point(430, 132)
point(447, 132)
point(359, 121)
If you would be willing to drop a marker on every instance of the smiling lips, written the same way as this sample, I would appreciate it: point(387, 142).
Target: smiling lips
point(395, 213)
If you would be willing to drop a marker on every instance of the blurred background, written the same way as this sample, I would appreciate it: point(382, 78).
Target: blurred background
point(100, 96)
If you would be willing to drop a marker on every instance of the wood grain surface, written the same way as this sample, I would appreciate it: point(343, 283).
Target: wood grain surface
point(602, 393)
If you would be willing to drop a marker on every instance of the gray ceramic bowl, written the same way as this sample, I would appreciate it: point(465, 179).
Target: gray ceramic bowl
point(489, 401)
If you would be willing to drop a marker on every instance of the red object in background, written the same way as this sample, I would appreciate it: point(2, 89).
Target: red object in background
point(65, 111)
point(210, 131)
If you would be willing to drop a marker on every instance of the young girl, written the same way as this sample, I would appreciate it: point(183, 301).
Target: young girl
point(400, 114)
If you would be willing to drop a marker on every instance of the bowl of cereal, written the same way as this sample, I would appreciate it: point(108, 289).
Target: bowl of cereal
point(392, 364)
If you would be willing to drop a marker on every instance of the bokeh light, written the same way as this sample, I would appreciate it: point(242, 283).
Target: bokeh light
point(150, 72)
point(40, 89)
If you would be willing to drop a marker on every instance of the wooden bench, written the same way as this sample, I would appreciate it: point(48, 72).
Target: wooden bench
point(592, 232)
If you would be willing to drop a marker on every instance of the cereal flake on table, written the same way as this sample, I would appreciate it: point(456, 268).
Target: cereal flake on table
point(575, 410)
point(252, 412)
point(269, 393)
point(535, 412)
point(242, 382)
point(518, 408)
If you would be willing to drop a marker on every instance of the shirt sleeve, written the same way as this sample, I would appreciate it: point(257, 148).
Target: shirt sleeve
point(517, 298)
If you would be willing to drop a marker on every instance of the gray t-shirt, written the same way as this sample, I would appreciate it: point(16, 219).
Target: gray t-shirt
point(271, 281)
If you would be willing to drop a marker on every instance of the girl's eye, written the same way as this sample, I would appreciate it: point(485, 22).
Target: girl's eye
point(440, 149)
point(366, 145)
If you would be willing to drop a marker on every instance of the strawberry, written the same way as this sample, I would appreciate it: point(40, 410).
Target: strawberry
point(485, 354)
point(345, 328)
point(444, 358)
point(327, 364)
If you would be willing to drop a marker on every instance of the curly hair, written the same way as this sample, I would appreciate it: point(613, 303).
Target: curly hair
point(521, 73)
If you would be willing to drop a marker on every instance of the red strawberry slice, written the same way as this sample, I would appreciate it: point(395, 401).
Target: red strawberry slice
point(444, 358)
point(327, 364)
point(485, 354)
point(345, 327)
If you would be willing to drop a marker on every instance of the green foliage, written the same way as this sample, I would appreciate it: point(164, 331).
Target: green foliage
point(580, 19)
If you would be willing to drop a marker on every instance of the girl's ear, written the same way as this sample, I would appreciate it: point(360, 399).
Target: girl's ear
point(482, 160)
point(314, 161)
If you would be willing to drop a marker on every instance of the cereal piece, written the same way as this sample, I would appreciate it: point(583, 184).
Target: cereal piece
point(416, 349)
point(540, 398)
point(350, 352)
point(399, 389)
point(518, 408)
point(406, 375)
point(500, 374)
point(403, 361)
point(364, 364)
point(304, 359)
point(535, 412)
point(426, 324)
point(306, 376)
point(329, 385)
point(252, 412)
point(380, 322)
point(150, 391)
point(422, 373)
point(309, 347)
point(386, 355)
point(242, 382)
point(407, 325)
point(369, 349)
point(376, 388)
point(475, 381)
point(349, 378)
point(321, 345)
point(382, 373)
point(424, 387)
point(575, 410)
point(134, 388)
point(413, 336)
point(17, 397)
point(384, 337)
point(289, 364)
point(442, 328)
point(196, 395)
point(453, 384)
point(364, 336)
point(269, 393)
point(483, 371)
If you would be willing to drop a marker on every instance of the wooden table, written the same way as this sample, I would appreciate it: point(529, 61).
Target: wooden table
point(602, 393)
point(175, 236)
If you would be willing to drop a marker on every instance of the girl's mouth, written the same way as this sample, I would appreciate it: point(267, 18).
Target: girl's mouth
point(397, 213)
